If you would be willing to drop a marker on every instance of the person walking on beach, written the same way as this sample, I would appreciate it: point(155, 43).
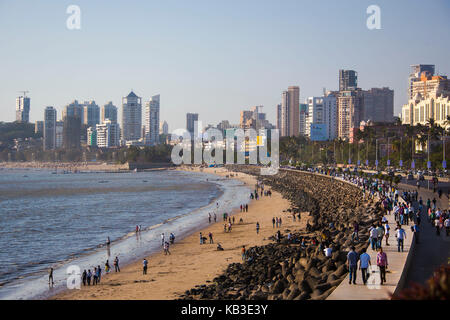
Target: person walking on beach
point(352, 265)
point(89, 276)
point(246, 208)
point(116, 264)
point(364, 263)
point(382, 263)
point(243, 253)
point(210, 235)
point(166, 248)
point(172, 238)
point(50, 278)
point(201, 238)
point(84, 277)
point(99, 274)
point(95, 277)
point(144, 266)
point(162, 239)
point(215, 218)
point(400, 234)
point(273, 222)
point(257, 227)
point(209, 217)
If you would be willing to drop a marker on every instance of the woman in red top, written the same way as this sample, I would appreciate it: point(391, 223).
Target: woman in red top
point(382, 263)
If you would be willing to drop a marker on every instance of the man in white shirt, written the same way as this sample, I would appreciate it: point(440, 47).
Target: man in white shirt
point(400, 234)
point(364, 263)
point(328, 251)
point(386, 232)
point(373, 237)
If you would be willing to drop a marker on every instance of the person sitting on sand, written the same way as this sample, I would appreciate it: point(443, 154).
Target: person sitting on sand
point(219, 247)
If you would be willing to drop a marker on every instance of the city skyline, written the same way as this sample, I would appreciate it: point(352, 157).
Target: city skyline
point(231, 71)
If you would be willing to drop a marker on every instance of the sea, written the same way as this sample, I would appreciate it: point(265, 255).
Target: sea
point(60, 220)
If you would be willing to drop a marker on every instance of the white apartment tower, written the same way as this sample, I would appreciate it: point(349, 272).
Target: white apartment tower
point(152, 120)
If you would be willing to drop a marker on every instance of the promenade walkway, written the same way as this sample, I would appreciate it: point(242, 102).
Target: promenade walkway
point(432, 250)
point(396, 263)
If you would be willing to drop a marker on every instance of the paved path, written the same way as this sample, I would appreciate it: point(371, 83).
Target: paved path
point(432, 250)
point(396, 263)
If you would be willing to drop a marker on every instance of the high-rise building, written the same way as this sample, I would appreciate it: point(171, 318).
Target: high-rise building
point(39, 127)
point(294, 117)
point(420, 111)
point(416, 72)
point(290, 114)
point(190, 123)
point(108, 111)
point(152, 120)
point(23, 109)
point(348, 80)
point(108, 134)
point(245, 118)
point(71, 132)
point(59, 134)
point(350, 104)
point(91, 137)
point(163, 128)
point(378, 105)
point(279, 117)
point(91, 113)
point(322, 115)
point(49, 128)
point(331, 106)
point(431, 86)
point(303, 114)
point(131, 117)
point(74, 109)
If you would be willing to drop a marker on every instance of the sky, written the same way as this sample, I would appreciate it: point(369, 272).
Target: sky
point(212, 57)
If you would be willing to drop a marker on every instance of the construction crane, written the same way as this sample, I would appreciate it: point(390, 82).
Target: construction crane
point(24, 93)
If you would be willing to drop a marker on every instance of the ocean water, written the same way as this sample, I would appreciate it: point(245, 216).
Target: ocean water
point(59, 220)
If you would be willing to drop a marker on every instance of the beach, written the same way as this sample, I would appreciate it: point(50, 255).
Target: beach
point(190, 263)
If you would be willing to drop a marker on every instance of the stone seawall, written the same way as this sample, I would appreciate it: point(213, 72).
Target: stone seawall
point(287, 270)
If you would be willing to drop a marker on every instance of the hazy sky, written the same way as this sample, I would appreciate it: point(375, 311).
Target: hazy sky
point(211, 57)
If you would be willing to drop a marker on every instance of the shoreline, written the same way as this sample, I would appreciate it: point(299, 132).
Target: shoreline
point(170, 276)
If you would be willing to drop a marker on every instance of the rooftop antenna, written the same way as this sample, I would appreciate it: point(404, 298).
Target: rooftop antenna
point(324, 91)
point(24, 93)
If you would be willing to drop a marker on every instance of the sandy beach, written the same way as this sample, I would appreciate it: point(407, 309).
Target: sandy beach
point(190, 263)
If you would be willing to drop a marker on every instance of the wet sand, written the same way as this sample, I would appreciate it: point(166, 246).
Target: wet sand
point(190, 263)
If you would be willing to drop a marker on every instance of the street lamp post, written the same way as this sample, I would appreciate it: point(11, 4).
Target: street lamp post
point(376, 154)
point(388, 161)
